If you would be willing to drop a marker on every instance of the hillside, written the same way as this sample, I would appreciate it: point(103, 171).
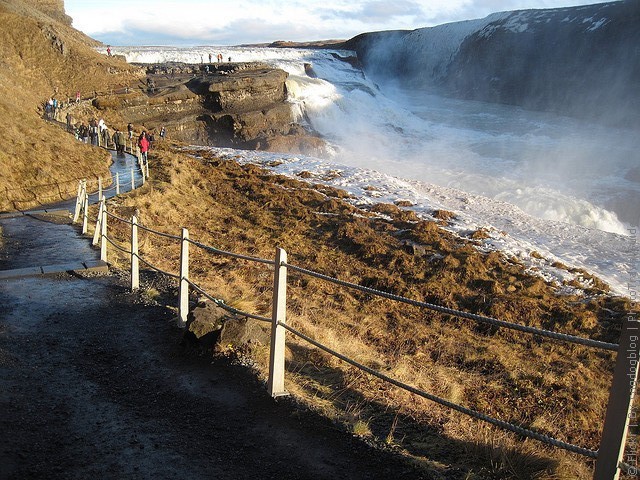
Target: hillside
point(41, 56)
point(557, 389)
point(246, 210)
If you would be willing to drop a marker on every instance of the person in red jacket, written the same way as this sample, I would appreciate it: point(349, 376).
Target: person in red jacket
point(143, 143)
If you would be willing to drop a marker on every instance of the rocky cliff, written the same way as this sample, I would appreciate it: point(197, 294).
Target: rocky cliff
point(582, 61)
point(52, 8)
point(241, 105)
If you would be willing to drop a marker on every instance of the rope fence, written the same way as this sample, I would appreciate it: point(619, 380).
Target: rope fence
point(279, 326)
point(608, 456)
point(457, 313)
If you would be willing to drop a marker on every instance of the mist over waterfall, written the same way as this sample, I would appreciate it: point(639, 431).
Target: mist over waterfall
point(562, 182)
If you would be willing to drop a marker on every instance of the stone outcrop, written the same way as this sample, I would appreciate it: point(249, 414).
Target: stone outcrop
point(210, 327)
point(53, 8)
point(239, 105)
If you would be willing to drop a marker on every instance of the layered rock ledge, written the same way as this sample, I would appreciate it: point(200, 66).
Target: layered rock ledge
point(239, 105)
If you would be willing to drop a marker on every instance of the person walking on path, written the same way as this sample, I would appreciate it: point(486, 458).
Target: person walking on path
point(143, 144)
point(119, 140)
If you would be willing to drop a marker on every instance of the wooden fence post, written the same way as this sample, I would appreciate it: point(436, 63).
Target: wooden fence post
point(76, 213)
point(619, 408)
point(103, 233)
point(183, 306)
point(275, 384)
point(99, 187)
point(85, 215)
point(133, 180)
point(117, 183)
point(135, 264)
point(98, 231)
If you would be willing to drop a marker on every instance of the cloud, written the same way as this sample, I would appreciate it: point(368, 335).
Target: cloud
point(215, 22)
point(382, 11)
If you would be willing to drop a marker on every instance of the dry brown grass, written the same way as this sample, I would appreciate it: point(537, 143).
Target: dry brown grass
point(33, 67)
point(557, 389)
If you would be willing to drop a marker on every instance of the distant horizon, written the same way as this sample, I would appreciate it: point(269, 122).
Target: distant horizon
point(249, 22)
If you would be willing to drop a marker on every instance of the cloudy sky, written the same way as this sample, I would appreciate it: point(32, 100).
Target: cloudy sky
point(216, 22)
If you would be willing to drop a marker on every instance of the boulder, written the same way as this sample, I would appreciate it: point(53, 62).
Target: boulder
point(240, 333)
point(210, 327)
point(204, 324)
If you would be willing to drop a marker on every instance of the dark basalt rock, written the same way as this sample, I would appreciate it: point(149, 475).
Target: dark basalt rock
point(241, 91)
point(240, 105)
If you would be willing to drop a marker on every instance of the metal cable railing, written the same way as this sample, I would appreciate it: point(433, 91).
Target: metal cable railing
point(446, 403)
point(471, 316)
point(231, 254)
point(226, 307)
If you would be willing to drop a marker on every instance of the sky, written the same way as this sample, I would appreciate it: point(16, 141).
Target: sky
point(236, 22)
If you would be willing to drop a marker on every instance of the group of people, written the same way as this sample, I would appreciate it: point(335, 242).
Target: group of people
point(145, 140)
point(219, 57)
point(97, 133)
point(53, 106)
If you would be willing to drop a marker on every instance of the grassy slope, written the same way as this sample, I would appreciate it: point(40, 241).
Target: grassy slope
point(552, 387)
point(33, 68)
point(558, 389)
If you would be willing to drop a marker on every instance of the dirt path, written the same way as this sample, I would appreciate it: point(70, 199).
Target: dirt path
point(94, 383)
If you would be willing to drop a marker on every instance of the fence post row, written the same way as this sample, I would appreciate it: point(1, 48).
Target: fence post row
point(620, 407)
point(135, 264)
point(279, 317)
point(183, 306)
